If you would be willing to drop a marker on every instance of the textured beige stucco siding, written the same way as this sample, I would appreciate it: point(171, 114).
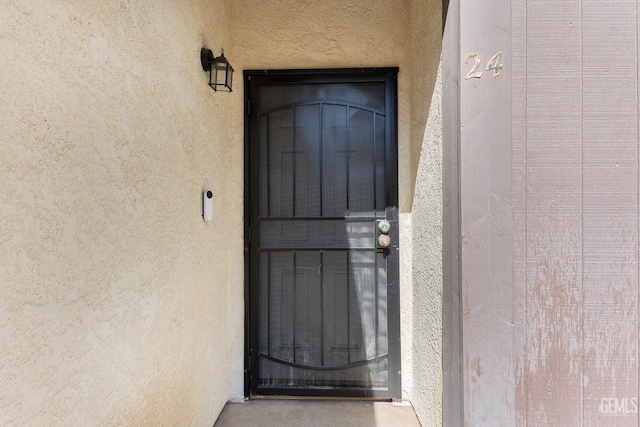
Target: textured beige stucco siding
point(427, 271)
point(425, 180)
point(424, 53)
point(113, 296)
point(119, 305)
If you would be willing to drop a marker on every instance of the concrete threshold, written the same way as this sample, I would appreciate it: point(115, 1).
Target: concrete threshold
point(317, 413)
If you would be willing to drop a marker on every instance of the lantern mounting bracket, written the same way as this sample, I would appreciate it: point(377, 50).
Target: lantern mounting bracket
point(206, 58)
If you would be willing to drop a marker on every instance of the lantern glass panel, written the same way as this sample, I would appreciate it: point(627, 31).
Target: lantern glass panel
point(220, 73)
point(229, 76)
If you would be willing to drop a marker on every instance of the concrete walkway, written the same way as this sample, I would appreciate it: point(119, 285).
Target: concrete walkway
point(316, 413)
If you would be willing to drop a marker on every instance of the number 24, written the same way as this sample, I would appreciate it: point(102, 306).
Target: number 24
point(495, 64)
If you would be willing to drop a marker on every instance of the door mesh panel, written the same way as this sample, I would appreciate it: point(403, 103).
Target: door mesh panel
point(322, 281)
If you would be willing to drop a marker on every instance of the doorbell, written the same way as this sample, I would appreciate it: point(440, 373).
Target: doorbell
point(207, 205)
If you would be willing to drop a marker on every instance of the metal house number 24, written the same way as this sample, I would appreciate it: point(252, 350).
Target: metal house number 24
point(495, 64)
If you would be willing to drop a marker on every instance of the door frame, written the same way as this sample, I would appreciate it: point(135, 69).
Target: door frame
point(388, 75)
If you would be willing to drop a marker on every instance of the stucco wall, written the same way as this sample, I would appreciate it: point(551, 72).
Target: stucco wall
point(425, 46)
point(119, 305)
point(426, 352)
point(425, 165)
point(113, 303)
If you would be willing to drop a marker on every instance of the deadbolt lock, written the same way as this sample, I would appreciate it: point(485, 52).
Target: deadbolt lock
point(384, 226)
point(384, 241)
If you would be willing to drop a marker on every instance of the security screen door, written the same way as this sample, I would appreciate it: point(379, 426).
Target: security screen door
point(322, 177)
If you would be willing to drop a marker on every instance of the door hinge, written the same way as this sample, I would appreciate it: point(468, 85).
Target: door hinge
point(250, 361)
point(247, 370)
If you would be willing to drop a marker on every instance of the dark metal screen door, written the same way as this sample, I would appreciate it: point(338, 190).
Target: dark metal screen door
point(322, 176)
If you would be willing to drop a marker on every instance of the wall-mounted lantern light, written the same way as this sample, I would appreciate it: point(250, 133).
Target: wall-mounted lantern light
point(220, 71)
